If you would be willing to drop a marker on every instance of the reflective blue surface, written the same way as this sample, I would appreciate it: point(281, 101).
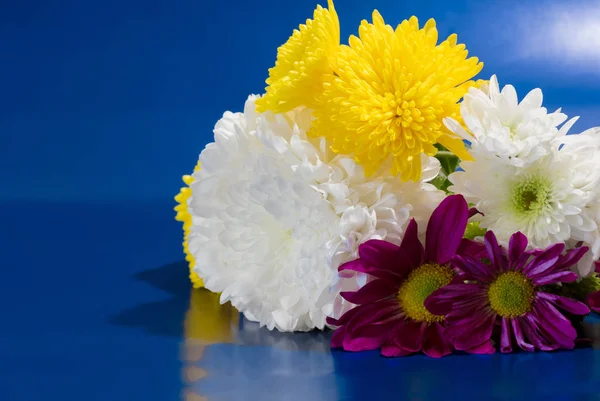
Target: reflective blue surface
point(97, 306)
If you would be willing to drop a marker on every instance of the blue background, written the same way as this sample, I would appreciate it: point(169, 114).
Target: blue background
point(105, 104)
point(113, 100)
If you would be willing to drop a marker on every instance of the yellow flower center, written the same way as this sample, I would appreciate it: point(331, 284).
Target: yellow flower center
point(420, 283)
point(511, 294)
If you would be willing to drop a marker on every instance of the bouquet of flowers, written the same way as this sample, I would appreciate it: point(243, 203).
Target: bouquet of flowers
point(378, 190)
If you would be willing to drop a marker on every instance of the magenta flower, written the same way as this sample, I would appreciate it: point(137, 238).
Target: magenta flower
point(507, 294)
point(593, 300)
point(390, 312)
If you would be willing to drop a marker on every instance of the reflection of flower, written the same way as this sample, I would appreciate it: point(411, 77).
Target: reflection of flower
point(388, 93)
point(224, 355)
point(209, 322)
point(274, 213)
point(184, 216)
point(390, 312)
point(262, 372)
point(507, 291)
point(297, 78)
point(206, 322)
point(250, 333)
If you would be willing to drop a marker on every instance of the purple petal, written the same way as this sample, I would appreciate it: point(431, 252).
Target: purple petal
point(474, 249)
point(473, 269)
point(345, 318)
point(382, 331)
point(523, 260)
point(474, 331)
point(392, 351)
point(411, 245)
point(572, 257)
point(556, 328)
point(568, 304)
point(337, 339)
point(524, 345)
point(441, 301)
point(372, 291)
point(505, 337)
point(593, 301)
point(516, 247)
point(487, 348)
point(465, 309)
point(529, 326)
point(473, 211)
point(559, 277)
point(373, 313)
point(362, 343)
point(446, 228)
point(544, 261)
point(362, 267)
point(597, 264)
point(384, 255)
point(435, 343)
point(409, 337)
point(494, 252)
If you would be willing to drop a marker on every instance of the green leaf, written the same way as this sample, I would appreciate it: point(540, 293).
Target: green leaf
point(441, 182)
point(448, 161)
point(578, 290)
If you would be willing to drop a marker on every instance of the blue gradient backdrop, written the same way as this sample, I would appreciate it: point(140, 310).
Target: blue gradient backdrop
point(113, 100)
point(105, 104)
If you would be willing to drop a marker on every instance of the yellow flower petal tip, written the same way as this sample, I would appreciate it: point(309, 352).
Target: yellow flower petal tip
point(184, 216)
point(388, 93)
point(302, 62)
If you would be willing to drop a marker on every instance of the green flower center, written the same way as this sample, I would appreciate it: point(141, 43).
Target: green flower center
point(511, 294)
point(420, 283)
point(531, 197)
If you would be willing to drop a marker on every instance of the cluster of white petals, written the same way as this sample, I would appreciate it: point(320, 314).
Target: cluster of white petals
point(529, 175)
point(498, 124)
point(274, 214)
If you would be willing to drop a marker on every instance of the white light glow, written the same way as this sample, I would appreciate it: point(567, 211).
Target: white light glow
point(564, 34)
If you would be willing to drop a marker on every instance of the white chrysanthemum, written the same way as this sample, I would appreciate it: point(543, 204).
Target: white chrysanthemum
point(586, 146)
point(501, 126)
point(274, 214)
point(547, 200)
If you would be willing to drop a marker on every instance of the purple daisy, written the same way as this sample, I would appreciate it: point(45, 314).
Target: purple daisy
point(390, 312)
point(506, 292)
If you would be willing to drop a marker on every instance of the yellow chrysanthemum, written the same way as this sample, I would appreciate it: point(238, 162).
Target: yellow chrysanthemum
point(302, 62)
point(184, 216)
point(389, 93)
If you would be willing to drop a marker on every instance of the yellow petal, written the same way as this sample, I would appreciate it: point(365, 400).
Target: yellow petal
point(184, 216)
point(455, 145)
point(302, 64)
